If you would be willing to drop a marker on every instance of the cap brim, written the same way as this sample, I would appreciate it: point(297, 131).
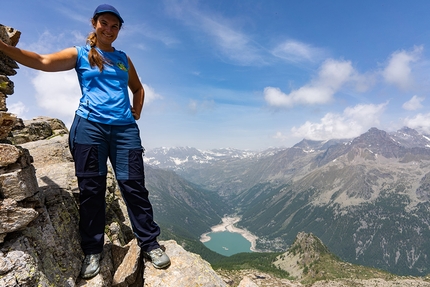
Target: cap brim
point(112, 12)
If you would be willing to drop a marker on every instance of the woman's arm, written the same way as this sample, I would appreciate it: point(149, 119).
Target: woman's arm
point(137, 90)
point(59, 61)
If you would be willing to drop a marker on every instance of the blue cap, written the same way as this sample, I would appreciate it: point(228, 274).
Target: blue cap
point(106, 8)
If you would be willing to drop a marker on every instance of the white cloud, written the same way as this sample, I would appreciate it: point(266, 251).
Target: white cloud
point(414, 103)
point(150, 95)
point(232, 43)
point(363, 82)
point(296, 51)
point(420, 122)
point(18, 109)
point(351, 123)
point(198, 106)
point(224, 33)
point(49, 43)
point(280, 136)
point(59, 93)
point(71, 13)
point(398, 71)
point(164, 36)
point(331, 77)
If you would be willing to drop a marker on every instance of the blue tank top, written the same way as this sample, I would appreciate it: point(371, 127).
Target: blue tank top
point(104, 94)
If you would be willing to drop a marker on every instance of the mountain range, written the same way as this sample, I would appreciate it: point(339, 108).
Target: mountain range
point(366, 198)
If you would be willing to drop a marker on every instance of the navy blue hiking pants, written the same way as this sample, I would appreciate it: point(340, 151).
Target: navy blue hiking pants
point(91, 145)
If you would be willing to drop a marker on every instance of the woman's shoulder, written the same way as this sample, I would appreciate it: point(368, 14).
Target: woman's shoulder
point(121, 52)
point(83, 48)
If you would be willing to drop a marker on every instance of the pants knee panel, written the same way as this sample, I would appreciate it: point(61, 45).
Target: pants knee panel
point(87, 162)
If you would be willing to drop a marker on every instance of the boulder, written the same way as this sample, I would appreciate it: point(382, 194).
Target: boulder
point(187, 269)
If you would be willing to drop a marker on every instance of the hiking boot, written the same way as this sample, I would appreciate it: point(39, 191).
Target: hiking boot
point(158, 258)
point(91, 265)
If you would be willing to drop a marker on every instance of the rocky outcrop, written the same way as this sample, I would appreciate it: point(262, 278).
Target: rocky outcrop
point(187, 269)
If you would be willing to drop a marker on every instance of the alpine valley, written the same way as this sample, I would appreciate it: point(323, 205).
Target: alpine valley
point(366, 198)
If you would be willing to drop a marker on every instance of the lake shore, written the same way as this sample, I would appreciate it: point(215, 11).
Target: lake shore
point(227, 224)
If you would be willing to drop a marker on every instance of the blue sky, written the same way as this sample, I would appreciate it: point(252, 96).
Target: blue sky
point(244, 74)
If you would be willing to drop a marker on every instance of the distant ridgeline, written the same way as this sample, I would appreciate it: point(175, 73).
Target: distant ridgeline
point(366, 198)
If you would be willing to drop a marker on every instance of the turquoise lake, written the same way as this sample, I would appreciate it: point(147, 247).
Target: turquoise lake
point(227, 243)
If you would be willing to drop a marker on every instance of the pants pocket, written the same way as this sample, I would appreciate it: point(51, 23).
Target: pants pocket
point(135, 164)
point(86, 159)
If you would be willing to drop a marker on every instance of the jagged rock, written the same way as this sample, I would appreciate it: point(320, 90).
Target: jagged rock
point(127, 271)
point(55, 125)
point(7, 65)
point(249, 276)
point(247, 282)
point(9, 154)
point(7, 121)
point(37, 129)
point(13, 217)
point(18, 184)
point(9, 36)
point(3, 107)
point(6, 86)
point(54, 163)
point(187, 269)
point(16, 269)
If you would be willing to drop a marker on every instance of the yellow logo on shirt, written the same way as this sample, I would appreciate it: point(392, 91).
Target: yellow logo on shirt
point(121, 66)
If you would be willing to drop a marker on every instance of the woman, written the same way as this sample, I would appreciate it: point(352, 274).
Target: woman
point(104, 127)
